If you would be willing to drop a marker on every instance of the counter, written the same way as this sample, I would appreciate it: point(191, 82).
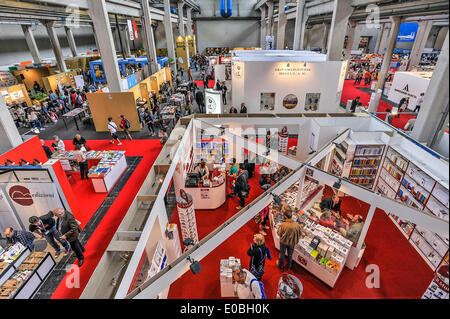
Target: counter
point(208, 197)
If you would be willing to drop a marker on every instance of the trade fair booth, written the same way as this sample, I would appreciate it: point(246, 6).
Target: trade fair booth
point(286, 81)
point(351, 143)
point(16, 94)
point(409, 84)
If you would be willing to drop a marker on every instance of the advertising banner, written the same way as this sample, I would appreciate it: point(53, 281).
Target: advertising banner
point(182, 51)
point(407, 84)
point(407, 32)
point(135, 30)
point(32, 199)
point(130, 30)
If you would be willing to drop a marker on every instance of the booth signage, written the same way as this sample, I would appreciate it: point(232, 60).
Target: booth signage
point(33, 176)
point(130, 30)
point(407, 32)
point(21, 195)
point(135, 30)
point(292, 69)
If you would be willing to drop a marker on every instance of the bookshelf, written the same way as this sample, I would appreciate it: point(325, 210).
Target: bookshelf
point(403, 180)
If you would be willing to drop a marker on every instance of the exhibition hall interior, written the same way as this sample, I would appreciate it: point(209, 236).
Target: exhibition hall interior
point(224, 149)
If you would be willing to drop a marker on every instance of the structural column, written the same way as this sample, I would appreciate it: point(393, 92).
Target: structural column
point(149, 38)
point(419, 44)
point(95, 37)
point(326, 30)
point(384, 38)
point(180, 19)
point(350, 39)
point(107, 49)
point(435, 101)
point(189, 21)
point(299, 26)
point(380, 35)
point(31, 42)
point(341, 13)
point(263, 27)
point(71, 40)
point(395, 22)
point(50, 26)
point(126, 39)
point(282, 19)
point(169, 35)
point(9, 135)
point(270, 18)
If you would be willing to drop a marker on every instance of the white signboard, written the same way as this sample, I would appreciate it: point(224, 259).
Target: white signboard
point(407, 84)
point(33, 176)
point(213, 101)
point(7, 218)
point(32, 199)
point(79, 82)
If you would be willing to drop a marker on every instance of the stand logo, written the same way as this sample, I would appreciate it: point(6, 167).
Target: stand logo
point(406, 88)
point(21, 195)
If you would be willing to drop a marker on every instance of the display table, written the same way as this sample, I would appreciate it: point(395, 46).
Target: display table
point(108, 172)
point(26, 272)
point(12, 258)
point(106, 167)
point(74, 113)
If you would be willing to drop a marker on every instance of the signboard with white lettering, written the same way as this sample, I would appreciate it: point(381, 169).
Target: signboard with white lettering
point(407, 32)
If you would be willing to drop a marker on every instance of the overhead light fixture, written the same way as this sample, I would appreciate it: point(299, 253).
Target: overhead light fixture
point(276, 199)
point(195, 265)
point(337, 184)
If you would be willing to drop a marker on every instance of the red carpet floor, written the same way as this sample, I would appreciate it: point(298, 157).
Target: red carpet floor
point(90, 202)
point(403, 273)
point(351, 91)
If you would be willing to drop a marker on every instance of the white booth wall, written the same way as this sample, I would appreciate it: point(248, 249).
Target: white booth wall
point(250, 79)
point(407, 84)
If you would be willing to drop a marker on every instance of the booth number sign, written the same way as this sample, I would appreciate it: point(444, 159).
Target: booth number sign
point(292, 70)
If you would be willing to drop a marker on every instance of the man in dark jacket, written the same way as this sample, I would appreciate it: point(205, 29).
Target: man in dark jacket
point(45, 226)
point(200, 99)
point(332, 203)
point(243, 108)
point(68, 226)
point(354, 104)
point(24, 237)
point(290, 233)
point(79, 140)
point(241, 186)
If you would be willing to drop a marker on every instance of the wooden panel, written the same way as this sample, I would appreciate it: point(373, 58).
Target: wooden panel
point(51, 82)
point(31, 75)
point(104, 105)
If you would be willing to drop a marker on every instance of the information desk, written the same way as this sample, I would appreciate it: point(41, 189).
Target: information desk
point(105, 167)
point(211, 197)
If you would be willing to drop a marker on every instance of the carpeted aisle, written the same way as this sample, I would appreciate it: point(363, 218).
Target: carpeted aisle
point(403, 273)
point(90, 202)
point(351, 91)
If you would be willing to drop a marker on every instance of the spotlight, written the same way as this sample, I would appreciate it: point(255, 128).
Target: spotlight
point(339, 146)
point(188, 242)
point(337, 184)
point(195, 265)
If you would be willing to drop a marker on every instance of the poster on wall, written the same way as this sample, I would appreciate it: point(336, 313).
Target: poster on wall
point(17, 95)
point(32, 199)
point(312, 101)
point(238, 70)
point(79, 81)
point(213, 101)
point(290, 101)
point(267, 102)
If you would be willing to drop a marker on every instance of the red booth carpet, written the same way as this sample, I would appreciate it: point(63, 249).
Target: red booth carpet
point(90, 202)
point(351, 91)
point(403, 273)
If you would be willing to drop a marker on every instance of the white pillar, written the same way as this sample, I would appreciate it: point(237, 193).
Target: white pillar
point(299, 26)
point(50, 26)
point(31, 42)
point(303, 35)
point(366, 227)
point(95, 37)
point(9, 135)
point(307, 38)
point(270, 16)
point(419, 44)
point(350, 39)
point(71, 40)
point(169, 36)
point(379, 36)
point(99, 15)
point(341, 13)
point(282, 19)
point(263, 27)
point(126, 39)
point(180, 19)
point(189, 21)
point(149, 38)
point(395, 21)
point(326, 30)
point(384, 38)
point(435, 100)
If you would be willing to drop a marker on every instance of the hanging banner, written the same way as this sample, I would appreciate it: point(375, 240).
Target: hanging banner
point(135, 30)
point(182, 51)
point(130, 30)
point(407, 32)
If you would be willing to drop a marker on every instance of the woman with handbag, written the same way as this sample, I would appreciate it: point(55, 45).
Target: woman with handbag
point(258, 253)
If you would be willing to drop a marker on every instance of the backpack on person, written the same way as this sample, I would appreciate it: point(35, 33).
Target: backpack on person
point(126, 124)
